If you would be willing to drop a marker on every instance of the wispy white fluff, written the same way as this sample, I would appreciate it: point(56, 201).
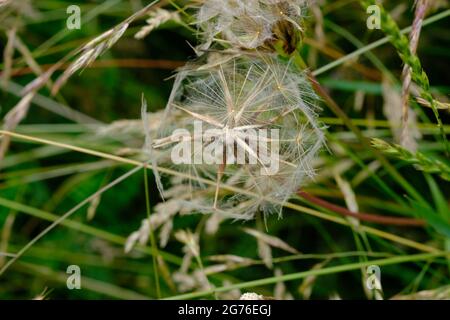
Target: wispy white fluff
point(254, 91)
point(246, 24)
point(148, 146)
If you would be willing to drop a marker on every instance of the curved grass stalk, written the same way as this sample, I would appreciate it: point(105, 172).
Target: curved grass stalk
point(315, 272)
point(152, 236)
point(325, 256)
point(92, 14)
point(88, 283)
point(212, 183)
point(401, 43)
point(334, 107)
point(95, 232)
point(376, 44)
point(55, 107)
point(370, 230)
point(68, 214)
point(33, 175)
point(87, 229)
point(376, 62)
point(377, 123)
point(360, 215)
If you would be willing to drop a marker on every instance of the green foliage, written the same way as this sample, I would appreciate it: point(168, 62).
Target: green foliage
point(419, 75)
point(311, 252)
point(419, 159)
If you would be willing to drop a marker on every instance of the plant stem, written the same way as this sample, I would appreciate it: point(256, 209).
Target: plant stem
point(299, 62)
point(315, 272)
point(301, 209)
point(152, 236)
point(401, 43)
point(369, 217)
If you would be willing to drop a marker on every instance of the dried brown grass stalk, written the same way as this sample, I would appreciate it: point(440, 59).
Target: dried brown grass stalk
point(421, 10)
point(8, 54)
point(368, 217)
point(86, 54)
point(13, 118)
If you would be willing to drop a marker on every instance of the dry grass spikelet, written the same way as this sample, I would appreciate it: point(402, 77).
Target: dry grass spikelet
point(157, 18)
point(12, 11)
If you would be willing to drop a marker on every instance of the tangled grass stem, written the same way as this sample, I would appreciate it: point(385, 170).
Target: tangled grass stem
point(298, 208)
point(334, 107)
point(369, 217)
point(418, 74)
point(316, 272)
point(152, 235)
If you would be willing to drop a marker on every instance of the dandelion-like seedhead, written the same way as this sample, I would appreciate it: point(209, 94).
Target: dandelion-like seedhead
point(230, 99)
point(249, 24)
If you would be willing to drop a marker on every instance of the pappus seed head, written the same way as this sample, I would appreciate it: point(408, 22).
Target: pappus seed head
point(248, 122)
point(251, 24)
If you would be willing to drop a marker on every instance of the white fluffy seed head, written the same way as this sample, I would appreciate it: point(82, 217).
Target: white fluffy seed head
point(251, 296)
point(256, 92)
point(247, 24)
